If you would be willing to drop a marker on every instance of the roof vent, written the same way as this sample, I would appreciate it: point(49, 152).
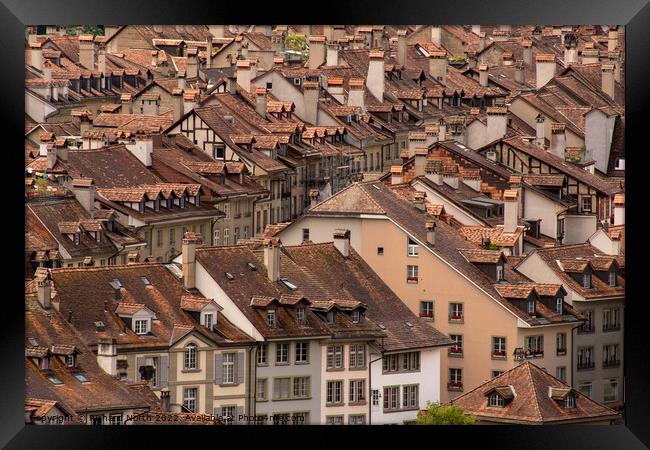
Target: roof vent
point(33, 342)
point(99, 326)
point(382, 326)
point(230, 120)
point(116, 285)
point(230, 276)
point(252, 266)
point(409, 324)
point(145, 281)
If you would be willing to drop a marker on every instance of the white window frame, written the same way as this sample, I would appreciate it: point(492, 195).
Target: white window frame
point(302, 352)
point(190, 399)
point(190, 357)
point(282, 353)
point(412, 248)
point(228, 367)
point(138, 326)
point(261, 355)
point(260, 394)
point(495, 400)
point(208, 320)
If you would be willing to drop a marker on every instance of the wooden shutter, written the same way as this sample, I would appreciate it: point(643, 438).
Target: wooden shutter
point(139, 362)
point(164, 370)
point(240, 367)
point(218, 368)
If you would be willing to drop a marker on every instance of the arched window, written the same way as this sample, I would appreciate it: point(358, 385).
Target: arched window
point(570, 401)
point(190, 356)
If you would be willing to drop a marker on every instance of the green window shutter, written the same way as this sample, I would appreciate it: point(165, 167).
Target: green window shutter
point(218, 368)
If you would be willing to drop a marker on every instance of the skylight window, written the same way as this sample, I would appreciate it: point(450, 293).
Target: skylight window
point(54, 380)
point(252, 266)
point(230, 276)
point(81, 377)
point(116, 284)
point(145, 281)
point(33, 342)
point(288, 284)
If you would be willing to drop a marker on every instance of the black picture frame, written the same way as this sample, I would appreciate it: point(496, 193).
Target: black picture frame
point(634, 14)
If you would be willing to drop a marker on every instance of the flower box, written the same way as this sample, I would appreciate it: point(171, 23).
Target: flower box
point(499, 354)
point(455, 384)
point(455, 350)
point(455, 317)
point(412, 279)
point(426, 315)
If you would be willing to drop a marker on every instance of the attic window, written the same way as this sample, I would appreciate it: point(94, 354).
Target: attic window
point(356, 316)
point(99, 326)
point(145, 281)
point(141, 326)
point(570, 401)
point(494, 399)
point(251, 266)
point(115, 284)
point(612, 278)
point(559, 305)
point(81, 377)
point(54, 380)
point(330, 316)
point(71, 360)
point(300, 314)
point(586, 280)
point(270, 318)
point(76, 238)
point(288, 284)
point(500, 272)
point(230, 276)
point(33, 342)
point(531, 305)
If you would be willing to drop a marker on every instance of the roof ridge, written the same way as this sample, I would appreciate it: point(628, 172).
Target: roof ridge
point(106, 268)
point(537, 400)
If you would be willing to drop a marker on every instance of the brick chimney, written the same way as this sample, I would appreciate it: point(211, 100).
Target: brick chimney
point(142, 148)
point(433, 172)
point(483, 75)
point(430, 227)
point(310, 94)
point(332, 54)
point(375, 77)
point(396, 174)
point(190, 241)
point(208, 52)
point(438, 66)
point(436, 35)
point(558, 139)
point(165, 401)
point(442, 130)
point(244, 74)
point(418, 200)
point(612, 38)
point(84, 190)
point(510, 210)
point(450, 179)
point(87, 51)
point(190, 100)
point(316, 51)
point(544, 68)
point(44, 291)
point(540, 131)
point(272, 258)
point(125, 100)
point(497, 122)
point(608, 84)
point(420, 161)
point(402, 47)
point(528, 52)
point(107, 355)
point(355, 93)
point(335, 88)
point(619, 209)
point(313, 197)
point(342, 242)
point(36, 55)
point(260, 101)
point(192, 65)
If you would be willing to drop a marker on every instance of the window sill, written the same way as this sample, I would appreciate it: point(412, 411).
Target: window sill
point(560, 353)
point(455, 388)
point(397, 372)
point(263, 365)
point(359, 403)
point(334, 404)
point(281, 363)
point(301, 363)
point(335, 369)
point(457, 321)
point(357, 368)
point(264, 400)
point(499, 357)
point(454, 355)
point(228, 384)
point(190, 370)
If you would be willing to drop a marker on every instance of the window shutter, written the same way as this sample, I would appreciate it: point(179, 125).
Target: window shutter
point(218, 368)
point(240, 413)
point(139, 362)
point(164, 370)
point(240, 367)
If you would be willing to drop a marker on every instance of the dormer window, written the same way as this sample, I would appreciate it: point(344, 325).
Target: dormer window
point(71, 360)
point(182, 202)
point(208, 321)
point(586, 280)
point(559, 306)
point(141, 326)
point(494, 399)
point(300, 315)
point(531, 305)
point(330, 317)
point(77, 238)
point(570, 401)
point(141, 206)
point(170, 203)
point(44, 363)
point(270, 318)
point(356, 316)
point(612, 278)
point(156, 205)
point(500, 276)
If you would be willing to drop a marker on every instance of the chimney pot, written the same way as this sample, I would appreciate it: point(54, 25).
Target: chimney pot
point(44, 292)
point(342, 241)
point(511, 210)
point(431, 232)
point(272, 258)
point(107, 355)
point(191, 241)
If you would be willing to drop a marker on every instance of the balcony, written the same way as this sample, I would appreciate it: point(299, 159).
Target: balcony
point(611, 363)
point(586, 365)
point(455, 386)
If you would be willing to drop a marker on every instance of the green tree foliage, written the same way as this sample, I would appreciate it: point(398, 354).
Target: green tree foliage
point(437, 414)
point(297, 43)
point(95, 30)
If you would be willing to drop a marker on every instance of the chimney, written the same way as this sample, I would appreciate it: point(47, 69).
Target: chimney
point(442, 130)
point(87, 51)
point(608, 84)
point(544, 68)
point(192, 65)
point(375, 77)
point(402, 47)
point(125, 100)
point(180, 77)
point(51, 156)
point(342, 242)
point(483, 75)
point(218, 31)
point(44, 291)
point(570, 49)
point(335, 88)
point(332, 54)
point(133, 258)
point(165, 401)
point(260, 101)
point(619, 209)
point(558, 140)
point(434, 172)
point(316, 51)
point(540, 131)
point(272, 258)
point(190, 241)
point(450, 179)
point(142, 148)
point(497, 122)
point(510, 212)
point(476, 29)
point(355, 93)
point(617, 67)
point(418, 200)
point(36, 55)
point(310, 93)
point(313, 197)
point(101, 64)
point(508, 59)
point(612, 38)
point(420, 161)
point(107, 355)
point(590, 56)
point(396, 173)
point(431, 233)
point(528, 52)
point(84, 191)
point(244, 74)
point(208, 52)
point(436, 35)
point(151, 104)
point(473, 181)
point(438, 66)
point(519, 72)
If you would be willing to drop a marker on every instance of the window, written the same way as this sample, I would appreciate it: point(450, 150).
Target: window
point(611, 356)
point(270, 318)
point(357, 356)
point(585, 387)
point(457, 348)
point(588, 325)
point(208, 320)
point(610, 390)
point(456, 313)
point(96, 420)
point(499, 347)
point(115, 419)
point(535, 345)
point(357, 419)
point(560, 373)
point(390, 363)
point(281, 388)
point(70, 360)
point(558, 306)
point(496, 373)
point(380, 251)
point(410, 396)
point(334, 357)
point(54, 380)
point(560, 341)
point(586, 203)
point(585, 358)
point(302, 352)
point(391, 398)
point(329, 317)
point(499, 272)
point(586, 280)
point(261, 390)
point(190, 356)
point(300, 315)
point(282, 353)
point(269, 86)
point(335, 392)
point(426, 309)
point(611, 319)
point(305, 234)
point(412, 248)
point(455, 379)
point(229, 414)
point(141, 326)
point(229, 368)
point(496, 400)
point(159, 238)
point(620, 164)
point(375, 397)
point(356, 315)
point(189, 398)
point(301, 387)
point(261, 355)
point(569, 401)
point(612, 278)
point(411, 274)
point(81, 377)
point(357, 391)
point(531, 305)
point(226, 236)
point(334, 420)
